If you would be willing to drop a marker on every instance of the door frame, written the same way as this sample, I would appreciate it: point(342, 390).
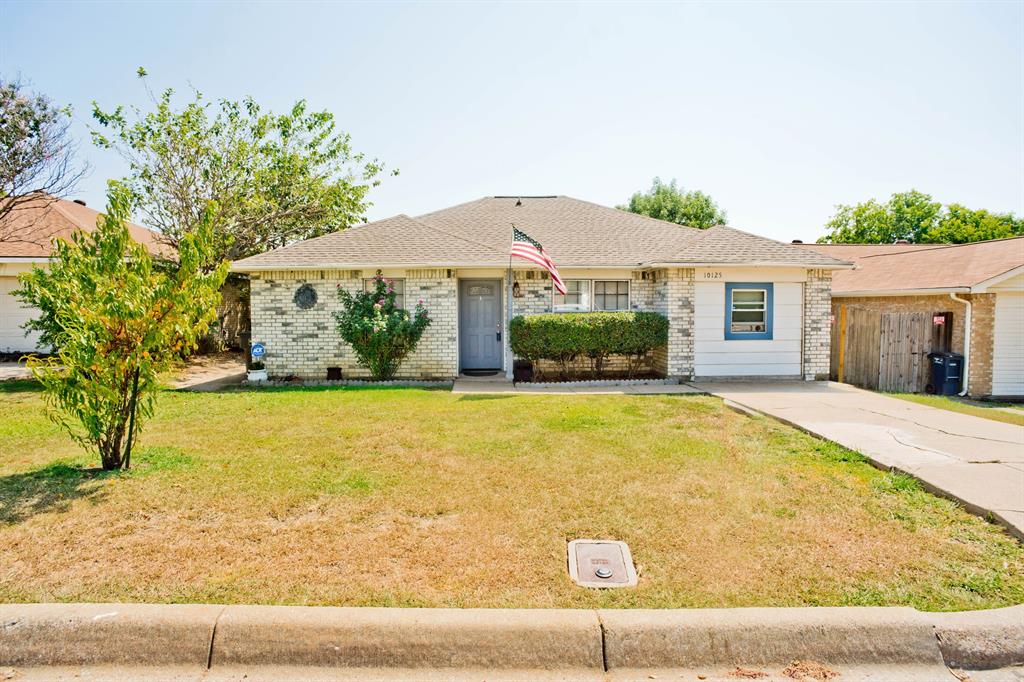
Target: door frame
point(501, 316)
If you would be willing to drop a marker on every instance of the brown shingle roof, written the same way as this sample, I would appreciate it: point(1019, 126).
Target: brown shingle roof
point(723, 244)
point(898, 267)
point(29, 230)
point(575, 233)
point(393, 241)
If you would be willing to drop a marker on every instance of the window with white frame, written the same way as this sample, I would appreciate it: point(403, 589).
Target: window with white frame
point(611, 295)
point(576, 298)
point(748, 311)
point(397, 284)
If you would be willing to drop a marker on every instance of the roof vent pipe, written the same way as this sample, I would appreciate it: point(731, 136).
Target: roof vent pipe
point(519, 201)
point(79, 202)
point(967, 340)
point(798, 241)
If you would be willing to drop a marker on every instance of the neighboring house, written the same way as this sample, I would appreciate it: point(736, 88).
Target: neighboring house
point(904, 300)
point(737, 304)
point(28, 233)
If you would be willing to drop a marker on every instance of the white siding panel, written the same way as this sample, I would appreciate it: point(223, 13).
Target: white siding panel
point(711, 334)
point(734, 370)
point(12, 316)
point(1008, 345)
point(775, 345)
point(780, 356)
point(773, 357)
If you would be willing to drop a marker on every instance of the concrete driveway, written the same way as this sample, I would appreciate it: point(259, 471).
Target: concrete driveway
point(976, 461)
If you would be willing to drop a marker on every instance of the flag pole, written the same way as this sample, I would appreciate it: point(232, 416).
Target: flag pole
point(508, 317)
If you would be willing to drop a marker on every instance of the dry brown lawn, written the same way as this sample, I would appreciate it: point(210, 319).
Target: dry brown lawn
point(425, 498)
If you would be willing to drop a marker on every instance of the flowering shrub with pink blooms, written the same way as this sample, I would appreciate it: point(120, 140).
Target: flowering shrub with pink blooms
point(381, 334)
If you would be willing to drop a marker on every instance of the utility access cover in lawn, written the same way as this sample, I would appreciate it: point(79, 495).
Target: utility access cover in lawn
point(601, 563)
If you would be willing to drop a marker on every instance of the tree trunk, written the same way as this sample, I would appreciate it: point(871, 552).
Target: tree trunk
point(132, 408)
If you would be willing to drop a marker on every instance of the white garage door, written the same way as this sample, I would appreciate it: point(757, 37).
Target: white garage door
point(12, 316)
point(1008, 345)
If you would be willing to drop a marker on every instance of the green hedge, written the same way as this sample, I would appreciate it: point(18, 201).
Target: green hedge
point(564, 337)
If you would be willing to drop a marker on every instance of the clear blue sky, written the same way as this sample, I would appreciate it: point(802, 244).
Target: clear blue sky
point(779, 111)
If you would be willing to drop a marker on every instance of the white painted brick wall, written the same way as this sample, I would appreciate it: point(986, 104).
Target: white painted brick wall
point(304, 343)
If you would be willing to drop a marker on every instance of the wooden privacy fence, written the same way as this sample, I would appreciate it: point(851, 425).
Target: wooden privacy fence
point(886, 351)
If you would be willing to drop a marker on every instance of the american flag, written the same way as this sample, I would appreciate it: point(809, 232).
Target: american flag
point(527, 248)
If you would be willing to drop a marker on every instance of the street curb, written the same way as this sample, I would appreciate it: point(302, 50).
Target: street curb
point(493, 639)
point(981, 640)
point(106, 634)
point(567, 642)
point(719, 638)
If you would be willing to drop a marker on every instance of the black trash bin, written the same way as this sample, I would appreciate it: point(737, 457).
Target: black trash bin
point(947, 371)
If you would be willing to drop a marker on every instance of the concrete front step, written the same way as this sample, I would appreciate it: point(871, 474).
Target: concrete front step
point(180, 642)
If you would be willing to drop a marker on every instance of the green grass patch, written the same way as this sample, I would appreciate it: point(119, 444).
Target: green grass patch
point(391, 496)
point(1009, 413)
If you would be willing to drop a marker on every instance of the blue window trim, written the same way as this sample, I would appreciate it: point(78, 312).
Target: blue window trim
point(769, 311)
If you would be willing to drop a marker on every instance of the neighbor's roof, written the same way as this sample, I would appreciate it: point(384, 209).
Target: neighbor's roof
point(574, 233)
point(919, 267)
point(28, 231)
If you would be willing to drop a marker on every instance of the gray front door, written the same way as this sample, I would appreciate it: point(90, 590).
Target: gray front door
point(480, 323)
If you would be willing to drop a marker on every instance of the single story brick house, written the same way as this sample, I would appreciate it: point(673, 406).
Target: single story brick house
point(26, 238)
point(738, 305)
point(906, 300)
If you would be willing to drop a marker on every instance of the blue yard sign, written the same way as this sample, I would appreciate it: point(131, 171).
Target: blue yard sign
point(258, 350)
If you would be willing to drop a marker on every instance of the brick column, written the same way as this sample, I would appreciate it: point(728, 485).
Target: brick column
point(983, 316)
point(678, 307)
point(817, 329)
point(437, 354)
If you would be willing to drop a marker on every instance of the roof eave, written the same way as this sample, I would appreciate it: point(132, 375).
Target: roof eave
point(982, 286)
point(517, 265)
point(752, 264)
point(866, 293)
point(270, 267)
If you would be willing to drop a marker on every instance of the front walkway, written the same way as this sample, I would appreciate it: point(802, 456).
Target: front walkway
point(499, 384)
point(204, 373)
point(977, 461)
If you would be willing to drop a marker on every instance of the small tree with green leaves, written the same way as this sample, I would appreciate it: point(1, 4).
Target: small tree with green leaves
point(116, 318)
point(381, 334)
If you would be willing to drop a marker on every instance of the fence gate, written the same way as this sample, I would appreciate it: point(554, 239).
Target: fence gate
point(903, 352)
point(886, 351)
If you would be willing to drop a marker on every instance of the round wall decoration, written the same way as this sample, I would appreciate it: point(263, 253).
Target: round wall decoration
point(305, 297)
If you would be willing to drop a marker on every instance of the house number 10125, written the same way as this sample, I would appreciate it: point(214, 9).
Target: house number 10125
point(712, 275)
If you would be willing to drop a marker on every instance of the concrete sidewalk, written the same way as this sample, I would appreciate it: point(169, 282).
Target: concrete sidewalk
point(976, 461)
point(211, 642)
point(14, 370)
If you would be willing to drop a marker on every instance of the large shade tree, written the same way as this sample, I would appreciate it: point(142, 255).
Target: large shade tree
point(274, 178)
point(670, 202)
point(117, 318)
point(916, 217)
